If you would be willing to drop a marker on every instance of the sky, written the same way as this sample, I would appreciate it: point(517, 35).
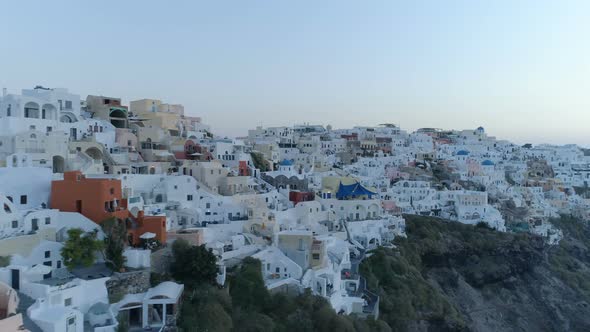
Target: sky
point(521, 69)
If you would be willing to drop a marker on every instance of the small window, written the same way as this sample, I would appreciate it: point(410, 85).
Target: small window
point(189, 197)
point(15, 224)
point(49, 129)
point(67, 303)
point(59, 264)
point(112, 191)
point(23, 199)
point(316, 256)
point(47, 220)
point(47, 254)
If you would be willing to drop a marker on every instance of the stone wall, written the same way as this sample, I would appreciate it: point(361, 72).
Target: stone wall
point(127, 283)
point(161, 260)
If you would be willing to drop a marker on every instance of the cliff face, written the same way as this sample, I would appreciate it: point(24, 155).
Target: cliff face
point(451, 277)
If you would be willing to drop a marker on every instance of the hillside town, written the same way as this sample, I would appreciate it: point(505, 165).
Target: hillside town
point(308, 201)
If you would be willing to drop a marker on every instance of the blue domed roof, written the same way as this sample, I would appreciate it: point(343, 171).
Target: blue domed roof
point(487, 162)
point(463, 153)
point(286, 162)
point(480, 128)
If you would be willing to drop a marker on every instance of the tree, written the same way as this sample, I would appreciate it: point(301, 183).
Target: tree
point(247, 288)
point(114, 243)
point(204, 317)
point(193, 265)
point(80, 248)
point(4, 261)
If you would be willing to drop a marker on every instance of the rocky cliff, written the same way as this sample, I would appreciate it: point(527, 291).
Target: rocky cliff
point(451, 277)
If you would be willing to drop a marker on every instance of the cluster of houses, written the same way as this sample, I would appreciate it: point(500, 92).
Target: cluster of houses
point(310, 202)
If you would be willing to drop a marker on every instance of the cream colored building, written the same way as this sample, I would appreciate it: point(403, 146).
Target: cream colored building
point(158, 114)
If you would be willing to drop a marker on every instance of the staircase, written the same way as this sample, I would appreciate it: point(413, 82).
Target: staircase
point(24, 303)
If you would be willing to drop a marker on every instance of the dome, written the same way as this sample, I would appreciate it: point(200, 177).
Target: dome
point(487, 162)
point(480, 128)
point(463, 153)
point(286, 162)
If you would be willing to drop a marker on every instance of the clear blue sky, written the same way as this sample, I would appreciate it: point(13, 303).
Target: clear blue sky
point(519, 68)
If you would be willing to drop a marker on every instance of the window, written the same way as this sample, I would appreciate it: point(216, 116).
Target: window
point(67, 303)
point(316, 256)
point(268, 266)
point(23, 199)
point(112, 191)
point(59, 264)
point(278, 270)
point(47, 254)
point(208, 205)
point(189, 197)
point(49, 129)
point(15, 224)
point(68, 104)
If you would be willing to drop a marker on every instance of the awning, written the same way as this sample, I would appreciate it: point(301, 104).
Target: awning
point(40, 269)
point(147, 235)
point(162, 153)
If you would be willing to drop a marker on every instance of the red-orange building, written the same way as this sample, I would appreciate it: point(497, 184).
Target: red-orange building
point(101, 199)
point(301, 196)
point(243, 168)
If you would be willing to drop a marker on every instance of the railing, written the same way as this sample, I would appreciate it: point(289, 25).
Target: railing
point(34, 150)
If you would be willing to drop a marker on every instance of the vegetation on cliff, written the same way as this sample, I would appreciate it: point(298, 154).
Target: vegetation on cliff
point(247, 306)
point(447, 276)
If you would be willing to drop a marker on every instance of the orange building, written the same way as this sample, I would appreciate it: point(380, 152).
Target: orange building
point(101, 199)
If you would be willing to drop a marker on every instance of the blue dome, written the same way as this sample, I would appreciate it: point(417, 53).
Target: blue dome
point(480, 128)
point(286, 162)
point(463, 153)
point(487, 163)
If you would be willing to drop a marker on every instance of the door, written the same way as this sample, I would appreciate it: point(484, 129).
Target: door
point(15, 279)
point(71, 324)
point(74, 133)
point(79, 206)
point(48, 275)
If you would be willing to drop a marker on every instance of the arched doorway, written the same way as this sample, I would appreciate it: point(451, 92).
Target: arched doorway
point(32, 110)
point(94, 153)
point(118, 118)
point(49, 111)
